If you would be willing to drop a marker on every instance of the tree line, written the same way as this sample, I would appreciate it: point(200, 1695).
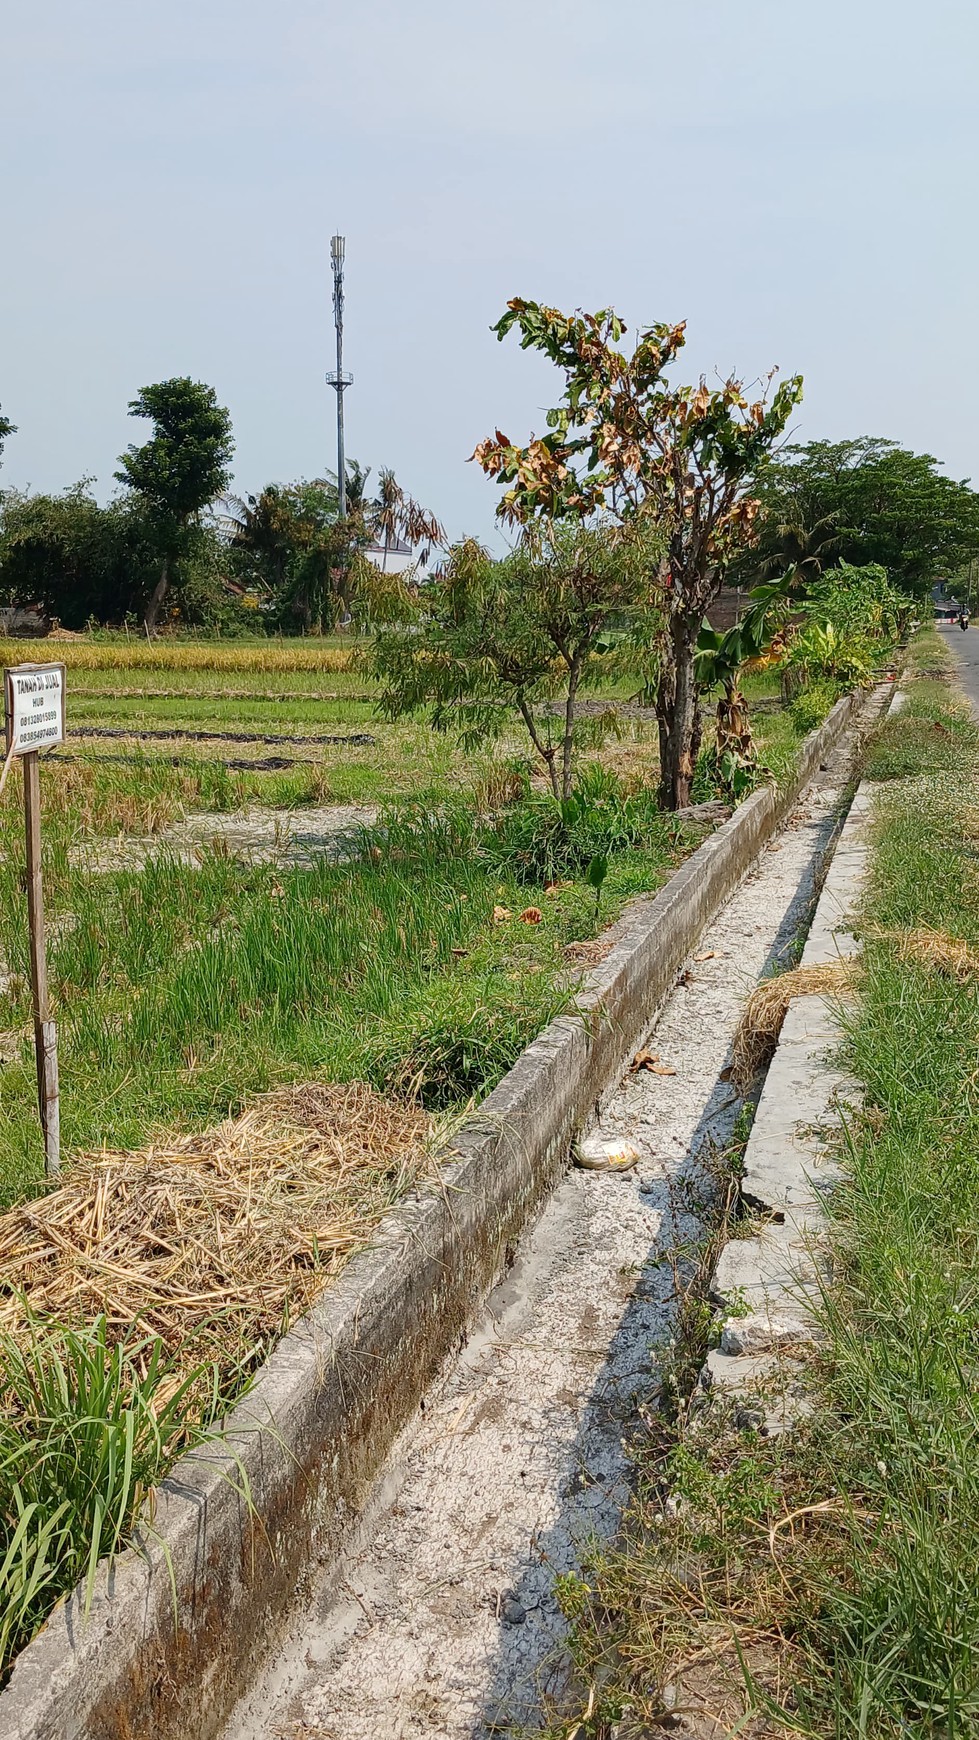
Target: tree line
point(630, 512)
point(175, 545)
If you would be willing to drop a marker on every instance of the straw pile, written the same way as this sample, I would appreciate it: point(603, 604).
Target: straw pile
point(214, 1242)
point(935, 949)
point(766, 1009)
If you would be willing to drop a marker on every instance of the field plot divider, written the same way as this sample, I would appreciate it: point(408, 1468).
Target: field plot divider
point(313, 1434)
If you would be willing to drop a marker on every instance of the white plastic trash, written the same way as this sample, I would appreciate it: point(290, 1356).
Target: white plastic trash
point(601, 1154)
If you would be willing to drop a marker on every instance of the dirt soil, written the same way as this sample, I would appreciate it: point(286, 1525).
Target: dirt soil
point(443, 1621)
point(173, 733)
point(286, 837)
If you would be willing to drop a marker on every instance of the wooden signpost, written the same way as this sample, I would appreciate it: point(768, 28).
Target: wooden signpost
point(34, 706)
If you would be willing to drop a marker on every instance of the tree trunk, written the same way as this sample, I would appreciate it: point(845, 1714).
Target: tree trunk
point(678, 713)
point(155, 601)
point(567, 761)
point(545, 751)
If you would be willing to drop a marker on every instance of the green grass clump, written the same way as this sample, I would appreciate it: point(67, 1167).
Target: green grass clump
point(88, 1426)
point(811, 707)
point(542, 840)
point(181, 989)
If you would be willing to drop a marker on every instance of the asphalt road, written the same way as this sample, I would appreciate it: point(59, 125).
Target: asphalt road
point(965, 650)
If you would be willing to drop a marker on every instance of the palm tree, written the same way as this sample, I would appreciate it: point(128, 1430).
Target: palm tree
point(387, 506)
point(357, 477)
point(395, 515)
point(266, 525)
point(804, 548)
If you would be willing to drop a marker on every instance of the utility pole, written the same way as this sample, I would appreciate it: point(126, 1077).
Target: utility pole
point(336, 377)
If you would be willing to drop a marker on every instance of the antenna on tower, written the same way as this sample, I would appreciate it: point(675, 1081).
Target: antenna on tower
point(336, 377)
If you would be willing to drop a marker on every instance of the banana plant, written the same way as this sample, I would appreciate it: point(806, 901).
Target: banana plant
point(721, 659)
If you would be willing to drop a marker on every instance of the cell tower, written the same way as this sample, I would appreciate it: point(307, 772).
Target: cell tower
point(336, 377)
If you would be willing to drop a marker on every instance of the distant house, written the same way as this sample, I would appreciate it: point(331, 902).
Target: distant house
point(944, 603)
point(727, 608)
point(393, 556)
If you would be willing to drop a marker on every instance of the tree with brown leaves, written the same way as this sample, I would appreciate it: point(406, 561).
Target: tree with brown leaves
point(625, 442)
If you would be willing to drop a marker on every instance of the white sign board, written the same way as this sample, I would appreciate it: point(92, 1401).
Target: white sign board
point(35, 707)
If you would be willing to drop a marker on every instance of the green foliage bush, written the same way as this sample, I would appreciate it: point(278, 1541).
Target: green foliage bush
point(543, 840)
point(811, 707)
point(725, 776)
point(850, 617)
point(858, 601)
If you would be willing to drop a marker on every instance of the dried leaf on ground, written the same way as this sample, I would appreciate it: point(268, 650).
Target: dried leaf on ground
point(588, 954)
point(645, 1059)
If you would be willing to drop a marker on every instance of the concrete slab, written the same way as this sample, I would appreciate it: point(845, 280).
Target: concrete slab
point(788, 1162)
point(763, 1283)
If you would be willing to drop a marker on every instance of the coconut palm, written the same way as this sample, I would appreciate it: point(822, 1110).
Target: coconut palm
point(804, 548)
point(395, 515)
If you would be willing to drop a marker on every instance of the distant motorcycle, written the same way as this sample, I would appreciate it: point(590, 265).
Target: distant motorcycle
point(964, 620)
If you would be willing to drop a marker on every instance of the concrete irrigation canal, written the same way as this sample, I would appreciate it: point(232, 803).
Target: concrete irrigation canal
point(441, 1619)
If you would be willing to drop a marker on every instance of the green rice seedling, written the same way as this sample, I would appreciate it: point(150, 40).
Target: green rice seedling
point(87, 1429)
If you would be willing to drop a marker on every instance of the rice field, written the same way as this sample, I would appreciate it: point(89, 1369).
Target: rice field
point(129, 652)
point(183, 988)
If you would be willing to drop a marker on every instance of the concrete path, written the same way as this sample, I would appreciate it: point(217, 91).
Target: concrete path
point(445, 1621)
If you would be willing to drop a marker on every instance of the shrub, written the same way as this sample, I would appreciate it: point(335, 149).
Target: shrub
point(811, 708)
point(542, 840)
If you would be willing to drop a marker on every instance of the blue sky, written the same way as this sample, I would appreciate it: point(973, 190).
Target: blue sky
point(795, 179)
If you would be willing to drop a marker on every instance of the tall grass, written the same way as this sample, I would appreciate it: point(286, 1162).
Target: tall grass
point(88, 1426)
point(899, 1623)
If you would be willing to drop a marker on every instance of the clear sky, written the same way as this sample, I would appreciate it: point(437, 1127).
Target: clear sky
point(796, 178)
